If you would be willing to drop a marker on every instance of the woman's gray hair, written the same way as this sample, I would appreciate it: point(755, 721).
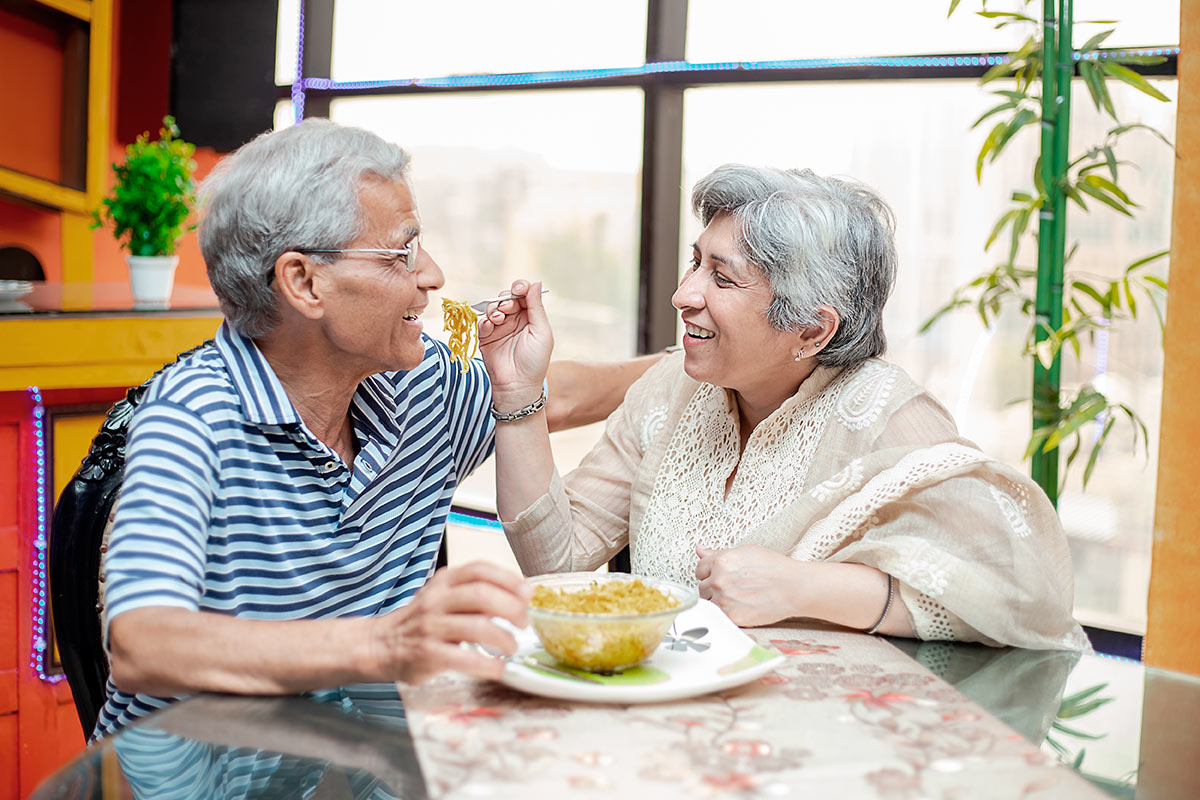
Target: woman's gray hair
point(818, 241)
point(295, 188)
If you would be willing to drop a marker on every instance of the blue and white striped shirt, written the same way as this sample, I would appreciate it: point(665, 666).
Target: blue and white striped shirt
point(230, 504)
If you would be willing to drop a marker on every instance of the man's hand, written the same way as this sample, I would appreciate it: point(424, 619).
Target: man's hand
point(516, 341)
point(422, 639)
point(751, 584)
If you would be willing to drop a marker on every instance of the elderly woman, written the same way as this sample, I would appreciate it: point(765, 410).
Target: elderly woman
point(287, 487)
point(780, 465)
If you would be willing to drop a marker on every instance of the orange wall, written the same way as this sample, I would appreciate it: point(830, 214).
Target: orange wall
point(38, 230)
point(141, 65)
point(34, 52)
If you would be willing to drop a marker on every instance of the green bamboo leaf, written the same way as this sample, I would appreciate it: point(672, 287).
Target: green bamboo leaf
point(1005, 14)
point(1120, 130)
point(1011, 94)
point(988, 145)
point(1111, 159)
point(1090, 291)
point(1100, 195)
point(1110, 187)
point(1073, 701)
point(1157, 281)
point(1094, 42)
point(1074, 194)
point(1096, 449)
point(1126, 75)
point(1087, 708)
point(1141, 61)
point(953, 5)
point(1005, 218)
point(1094, 83)
point(1146, 260)
point(1019, 120)
point(1071, 424)
point(1129, 299)
point(996, 110)
point(1001, 70)
point(1078, 762)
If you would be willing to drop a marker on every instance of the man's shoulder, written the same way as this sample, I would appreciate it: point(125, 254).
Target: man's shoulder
point(199, 382)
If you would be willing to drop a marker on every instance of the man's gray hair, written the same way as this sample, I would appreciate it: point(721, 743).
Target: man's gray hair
point(295, 188)
point(818, 241)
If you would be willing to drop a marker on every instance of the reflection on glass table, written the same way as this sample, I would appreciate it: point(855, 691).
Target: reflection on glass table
point(1127, 728)
point(350, 743)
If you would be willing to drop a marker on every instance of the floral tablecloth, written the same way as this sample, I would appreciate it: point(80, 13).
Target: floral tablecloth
point(845, 716)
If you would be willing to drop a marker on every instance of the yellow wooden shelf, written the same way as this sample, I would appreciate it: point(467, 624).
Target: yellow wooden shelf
point(84, 352)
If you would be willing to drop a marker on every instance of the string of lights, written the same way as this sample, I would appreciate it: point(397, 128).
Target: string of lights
point(37, 584)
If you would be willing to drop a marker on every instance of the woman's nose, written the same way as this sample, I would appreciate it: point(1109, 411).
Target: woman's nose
point(688, 295)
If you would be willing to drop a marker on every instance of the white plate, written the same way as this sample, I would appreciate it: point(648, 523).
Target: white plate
point(14, 290)
point(682, 666)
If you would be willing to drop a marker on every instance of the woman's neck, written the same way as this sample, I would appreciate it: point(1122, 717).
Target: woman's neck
point(755, 404)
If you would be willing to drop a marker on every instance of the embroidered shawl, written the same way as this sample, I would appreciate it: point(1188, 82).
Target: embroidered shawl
point(860, 465)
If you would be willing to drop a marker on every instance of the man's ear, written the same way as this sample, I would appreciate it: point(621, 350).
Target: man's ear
point(296, 281)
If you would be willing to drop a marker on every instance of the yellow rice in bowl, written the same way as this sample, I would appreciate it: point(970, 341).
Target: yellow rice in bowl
point(604, 623)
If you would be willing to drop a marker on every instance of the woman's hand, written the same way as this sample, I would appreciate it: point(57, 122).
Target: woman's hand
point(751, 584)
point(516, 341)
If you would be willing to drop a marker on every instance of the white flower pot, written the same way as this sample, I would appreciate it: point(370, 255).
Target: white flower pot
point(151, 278)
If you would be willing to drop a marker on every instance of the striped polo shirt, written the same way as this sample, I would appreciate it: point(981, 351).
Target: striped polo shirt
point(230, 503)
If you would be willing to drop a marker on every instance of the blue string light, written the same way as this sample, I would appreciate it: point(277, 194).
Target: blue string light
point(40, 644)
point(303, 85)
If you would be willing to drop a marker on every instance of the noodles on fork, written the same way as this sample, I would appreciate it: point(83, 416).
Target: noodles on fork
point(459, 321)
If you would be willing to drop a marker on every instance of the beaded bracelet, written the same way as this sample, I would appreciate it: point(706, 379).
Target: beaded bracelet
point(520, 413)
point(886, 606)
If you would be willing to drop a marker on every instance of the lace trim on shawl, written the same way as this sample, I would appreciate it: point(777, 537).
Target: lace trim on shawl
point(850, 518)
point(688, 506)
point(866, 395)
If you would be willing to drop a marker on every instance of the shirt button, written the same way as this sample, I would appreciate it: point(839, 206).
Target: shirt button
point(328, 466)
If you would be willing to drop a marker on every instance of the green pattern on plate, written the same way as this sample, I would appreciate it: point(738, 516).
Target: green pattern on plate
point(634, 676)
point(757, 655)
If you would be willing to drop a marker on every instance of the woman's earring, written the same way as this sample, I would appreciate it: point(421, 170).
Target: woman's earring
point(800, 355)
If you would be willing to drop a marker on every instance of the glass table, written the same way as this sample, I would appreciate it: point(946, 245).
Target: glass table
point(847, 715)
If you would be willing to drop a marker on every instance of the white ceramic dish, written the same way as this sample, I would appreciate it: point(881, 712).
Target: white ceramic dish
point(14, 290)
point(686, 664)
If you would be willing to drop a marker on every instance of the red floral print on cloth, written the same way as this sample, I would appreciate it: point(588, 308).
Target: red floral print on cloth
point(885, 700)
point(802, 647)
point(754, 748)
point(732, 781)
point(471, 715)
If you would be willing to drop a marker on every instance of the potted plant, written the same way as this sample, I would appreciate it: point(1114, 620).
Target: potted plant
point(152, 197)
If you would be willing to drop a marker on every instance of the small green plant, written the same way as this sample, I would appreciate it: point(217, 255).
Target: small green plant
point(153, 194)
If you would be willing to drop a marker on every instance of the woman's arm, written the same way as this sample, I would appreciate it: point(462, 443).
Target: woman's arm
point(756, 586)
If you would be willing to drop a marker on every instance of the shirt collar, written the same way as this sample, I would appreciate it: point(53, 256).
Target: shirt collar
point(263, 398)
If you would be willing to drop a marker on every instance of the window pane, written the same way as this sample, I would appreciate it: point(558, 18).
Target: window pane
point(911, 142)
point(539, 185)
point(287, 41)
point(767, 29)
point(373, 40)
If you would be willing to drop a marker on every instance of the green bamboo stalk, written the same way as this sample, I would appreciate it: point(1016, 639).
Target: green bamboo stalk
point(1057, 69)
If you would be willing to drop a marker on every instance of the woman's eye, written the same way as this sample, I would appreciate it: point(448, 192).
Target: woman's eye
point(721, 280)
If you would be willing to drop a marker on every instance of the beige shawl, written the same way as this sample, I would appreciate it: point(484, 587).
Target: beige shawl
point(860, 465)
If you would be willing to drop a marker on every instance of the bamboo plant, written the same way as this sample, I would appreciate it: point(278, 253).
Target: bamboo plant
point(1065, 305)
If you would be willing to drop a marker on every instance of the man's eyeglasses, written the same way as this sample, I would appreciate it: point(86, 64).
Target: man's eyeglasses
point(409, 254)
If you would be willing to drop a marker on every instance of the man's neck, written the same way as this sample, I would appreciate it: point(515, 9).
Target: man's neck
point(319, 385)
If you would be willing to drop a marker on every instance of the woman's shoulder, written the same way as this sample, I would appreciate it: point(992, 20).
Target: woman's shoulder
point(662, 383)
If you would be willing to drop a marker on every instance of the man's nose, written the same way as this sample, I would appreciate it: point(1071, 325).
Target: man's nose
point(429, 274)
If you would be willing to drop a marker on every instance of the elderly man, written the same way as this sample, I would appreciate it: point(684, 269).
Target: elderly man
point(287, 488)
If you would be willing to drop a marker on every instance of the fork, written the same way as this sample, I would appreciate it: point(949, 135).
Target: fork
point(482, 305)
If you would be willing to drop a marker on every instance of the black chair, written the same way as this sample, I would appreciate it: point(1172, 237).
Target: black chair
point(76, 542)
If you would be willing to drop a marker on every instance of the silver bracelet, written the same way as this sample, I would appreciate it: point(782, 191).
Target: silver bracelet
point(520, 413)
point(886, 606)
